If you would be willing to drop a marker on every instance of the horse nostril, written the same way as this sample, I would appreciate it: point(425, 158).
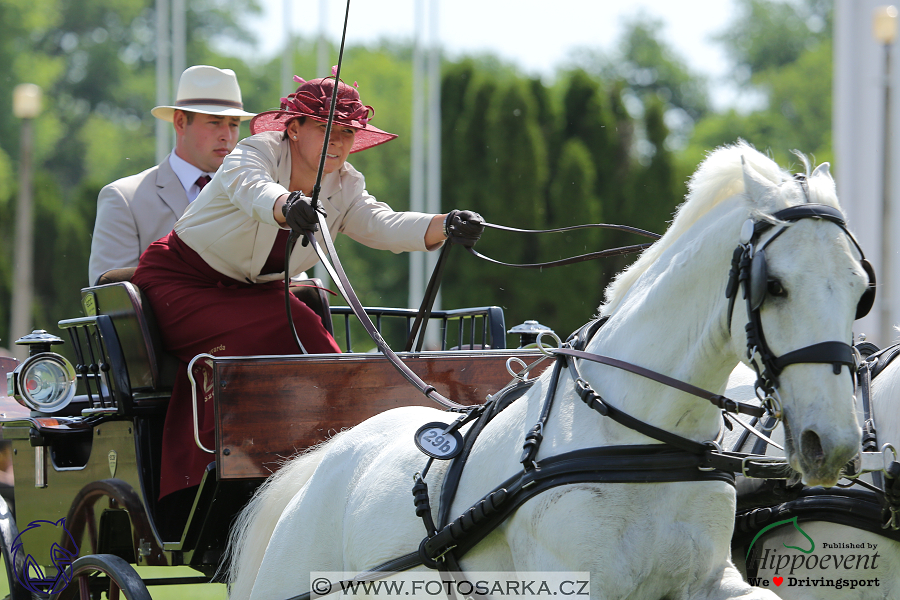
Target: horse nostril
point(811, 446)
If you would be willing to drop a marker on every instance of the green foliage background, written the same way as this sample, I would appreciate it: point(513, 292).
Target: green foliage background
point(611, 138)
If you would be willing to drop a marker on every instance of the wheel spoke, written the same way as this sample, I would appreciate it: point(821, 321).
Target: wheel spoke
point(113, 589)
point(84, 586)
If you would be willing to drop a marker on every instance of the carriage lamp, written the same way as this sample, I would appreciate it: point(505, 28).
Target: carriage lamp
point(39, 341)
point(44, 382)
point(528, 332)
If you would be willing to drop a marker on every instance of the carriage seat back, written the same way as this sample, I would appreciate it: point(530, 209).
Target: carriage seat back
point(150, 369)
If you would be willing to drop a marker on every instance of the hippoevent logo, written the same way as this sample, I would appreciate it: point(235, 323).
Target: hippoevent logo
point(839, 565)
point(31, 575)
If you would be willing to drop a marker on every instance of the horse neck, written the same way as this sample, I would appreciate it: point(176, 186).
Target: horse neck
point(673, 321)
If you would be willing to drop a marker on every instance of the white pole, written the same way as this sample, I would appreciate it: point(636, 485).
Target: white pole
point(323, 66)
point(434, 130)
point(26, 106)
point(163, 143)
point(884, 29)
point(179, 41)
point(417, 162)
point(287, 55)
point(433, 165)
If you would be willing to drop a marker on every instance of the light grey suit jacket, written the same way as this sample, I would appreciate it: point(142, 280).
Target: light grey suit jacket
point(132, 213)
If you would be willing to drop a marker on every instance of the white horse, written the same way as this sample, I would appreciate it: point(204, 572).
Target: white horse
point(347, 507)
point(862, 556)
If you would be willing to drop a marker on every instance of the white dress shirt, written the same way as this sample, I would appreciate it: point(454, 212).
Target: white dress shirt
point(187, 174)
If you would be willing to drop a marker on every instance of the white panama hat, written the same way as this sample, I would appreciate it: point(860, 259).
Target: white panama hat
point(207, 90)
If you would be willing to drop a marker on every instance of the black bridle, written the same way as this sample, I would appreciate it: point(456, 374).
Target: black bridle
point(749, 270)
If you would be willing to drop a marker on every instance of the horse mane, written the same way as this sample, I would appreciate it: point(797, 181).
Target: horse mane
point(719, 177)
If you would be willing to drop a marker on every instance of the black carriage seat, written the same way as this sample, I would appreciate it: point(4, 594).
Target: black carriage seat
point(152, 371)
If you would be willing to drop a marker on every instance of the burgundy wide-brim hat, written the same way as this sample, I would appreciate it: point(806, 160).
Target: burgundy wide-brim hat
point(313, 100)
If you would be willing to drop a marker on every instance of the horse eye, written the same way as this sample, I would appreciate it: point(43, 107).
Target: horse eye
point(775, 288)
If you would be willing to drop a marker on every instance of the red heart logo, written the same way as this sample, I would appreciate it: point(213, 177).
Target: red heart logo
point(778, 580)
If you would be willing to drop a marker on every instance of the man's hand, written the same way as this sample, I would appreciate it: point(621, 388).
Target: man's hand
point(463, 227)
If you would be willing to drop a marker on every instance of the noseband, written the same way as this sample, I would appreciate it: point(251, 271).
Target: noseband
point(750, 271)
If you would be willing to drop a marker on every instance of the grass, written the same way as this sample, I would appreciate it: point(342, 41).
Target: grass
point(207, 591)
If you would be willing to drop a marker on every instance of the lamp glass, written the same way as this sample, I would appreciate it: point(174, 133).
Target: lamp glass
point(884, 24)
point(26, 101)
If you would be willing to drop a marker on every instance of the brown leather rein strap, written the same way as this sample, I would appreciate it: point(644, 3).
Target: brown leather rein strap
point(575, 259)
point(726, 404)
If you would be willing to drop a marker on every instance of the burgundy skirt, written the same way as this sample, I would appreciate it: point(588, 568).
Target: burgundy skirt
point(200, 310)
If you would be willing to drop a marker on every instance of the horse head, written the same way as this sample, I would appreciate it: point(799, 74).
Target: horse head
point(806, 283)
point(758, 266)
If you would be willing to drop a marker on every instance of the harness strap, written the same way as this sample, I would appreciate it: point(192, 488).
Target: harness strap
point(608, 464)
point(883, 358)
point(720, 401)
point(837, 353)
point(534, 437)
point(492, 408)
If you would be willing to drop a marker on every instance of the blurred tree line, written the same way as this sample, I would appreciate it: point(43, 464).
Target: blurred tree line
point(610, 138)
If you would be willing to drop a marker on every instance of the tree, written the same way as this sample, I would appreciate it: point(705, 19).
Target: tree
point(572, 200)
point(95, 61)
point(782, 52)
point(770, 34)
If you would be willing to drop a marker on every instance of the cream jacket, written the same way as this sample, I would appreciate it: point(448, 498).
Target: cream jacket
point(232, 226)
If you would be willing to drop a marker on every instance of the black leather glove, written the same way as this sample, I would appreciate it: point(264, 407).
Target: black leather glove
point(300, 215)
point(463, 227)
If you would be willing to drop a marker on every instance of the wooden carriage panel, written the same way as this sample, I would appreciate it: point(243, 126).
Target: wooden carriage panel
point(269, 408)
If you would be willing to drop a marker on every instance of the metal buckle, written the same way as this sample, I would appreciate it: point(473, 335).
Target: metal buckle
point(714, 446)
point(774, 408)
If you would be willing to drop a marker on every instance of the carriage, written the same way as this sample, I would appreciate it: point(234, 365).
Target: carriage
point(114, 426)
point(88, 452)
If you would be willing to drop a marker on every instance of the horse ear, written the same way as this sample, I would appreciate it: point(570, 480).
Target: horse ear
point(822, 169)
point(757, 186)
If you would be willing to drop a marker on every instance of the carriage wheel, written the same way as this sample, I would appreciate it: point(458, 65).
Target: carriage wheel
point(103, 574)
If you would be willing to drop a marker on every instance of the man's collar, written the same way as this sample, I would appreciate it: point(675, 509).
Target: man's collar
point(186, 172)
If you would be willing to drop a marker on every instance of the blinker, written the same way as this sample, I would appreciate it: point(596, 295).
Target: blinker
point(759, 279)
point(868, 298)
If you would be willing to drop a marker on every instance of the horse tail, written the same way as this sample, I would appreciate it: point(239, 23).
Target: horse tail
point(255, 524)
